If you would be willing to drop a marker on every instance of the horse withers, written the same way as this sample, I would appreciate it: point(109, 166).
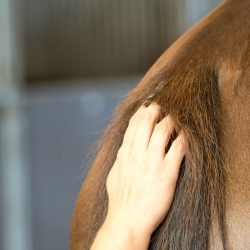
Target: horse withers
point(203, 82)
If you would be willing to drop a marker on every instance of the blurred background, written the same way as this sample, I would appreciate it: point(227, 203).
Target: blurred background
point(64, 67)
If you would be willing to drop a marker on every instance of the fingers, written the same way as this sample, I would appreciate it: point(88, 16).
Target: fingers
point(160, 137)
point(144, 133)
point(130, 132)
point(175, 155)
point(145, 126)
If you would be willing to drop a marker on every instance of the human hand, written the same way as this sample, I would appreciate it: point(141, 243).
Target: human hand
point(142, 181)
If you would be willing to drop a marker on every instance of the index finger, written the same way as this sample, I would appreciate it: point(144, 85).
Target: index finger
point(130, 132)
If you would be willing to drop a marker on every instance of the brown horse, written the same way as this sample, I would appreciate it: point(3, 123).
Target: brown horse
point(202, 81)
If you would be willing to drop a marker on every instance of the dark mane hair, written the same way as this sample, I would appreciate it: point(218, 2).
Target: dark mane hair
point(188, 87)
point(188, 91)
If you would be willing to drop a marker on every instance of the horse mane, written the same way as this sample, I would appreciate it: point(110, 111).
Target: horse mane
point(188, 91)
point(188, 88)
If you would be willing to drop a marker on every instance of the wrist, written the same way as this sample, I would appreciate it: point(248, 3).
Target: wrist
point(121, 233)
point(126, 225)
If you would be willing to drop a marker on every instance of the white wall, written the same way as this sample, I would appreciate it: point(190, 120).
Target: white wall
point(14, 172)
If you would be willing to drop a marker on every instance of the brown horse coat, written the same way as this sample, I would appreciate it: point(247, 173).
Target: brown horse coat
point(203, 82)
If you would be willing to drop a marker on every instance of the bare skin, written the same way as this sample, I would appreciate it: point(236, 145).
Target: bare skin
point(141, 183)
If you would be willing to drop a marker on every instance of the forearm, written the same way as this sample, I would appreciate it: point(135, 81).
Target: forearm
point(114, 237)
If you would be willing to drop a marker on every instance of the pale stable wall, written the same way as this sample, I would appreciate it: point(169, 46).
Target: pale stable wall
point(15, 230)
point(64, 121)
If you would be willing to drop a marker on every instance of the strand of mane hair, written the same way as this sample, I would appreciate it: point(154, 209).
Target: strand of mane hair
point(187, 91)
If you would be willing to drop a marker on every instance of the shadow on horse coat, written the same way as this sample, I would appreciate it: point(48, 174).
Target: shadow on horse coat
point(203, 82)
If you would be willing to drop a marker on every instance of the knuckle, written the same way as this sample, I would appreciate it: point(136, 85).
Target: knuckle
point(161, 128)
point(154, 159)
point(134, 119)
point(136, 158)
point(144, 117)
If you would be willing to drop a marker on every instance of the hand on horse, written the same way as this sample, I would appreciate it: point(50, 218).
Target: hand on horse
point(142, 181)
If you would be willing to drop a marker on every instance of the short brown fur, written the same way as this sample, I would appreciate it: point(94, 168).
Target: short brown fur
point(196, 81)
